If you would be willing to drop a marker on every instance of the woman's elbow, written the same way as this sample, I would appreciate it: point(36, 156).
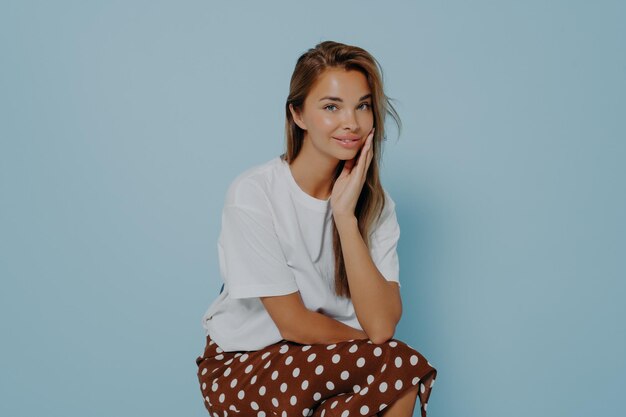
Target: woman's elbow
point(289, 335)
point(382, 334)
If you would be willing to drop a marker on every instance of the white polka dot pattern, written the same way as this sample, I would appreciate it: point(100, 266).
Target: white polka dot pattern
point(351, 378)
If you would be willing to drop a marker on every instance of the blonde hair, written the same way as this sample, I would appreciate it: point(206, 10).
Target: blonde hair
point(309, 67)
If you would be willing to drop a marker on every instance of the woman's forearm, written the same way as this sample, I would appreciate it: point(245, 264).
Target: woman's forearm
point(314, 327)
point(377, 307)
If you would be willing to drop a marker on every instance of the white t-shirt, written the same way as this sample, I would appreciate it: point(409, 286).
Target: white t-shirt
point(276, 239)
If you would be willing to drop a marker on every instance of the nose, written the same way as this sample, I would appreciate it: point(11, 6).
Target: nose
point(350, 121)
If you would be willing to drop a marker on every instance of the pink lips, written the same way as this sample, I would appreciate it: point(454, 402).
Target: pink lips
point(348, 143)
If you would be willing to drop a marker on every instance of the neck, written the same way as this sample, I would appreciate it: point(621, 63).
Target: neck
point(314, 172)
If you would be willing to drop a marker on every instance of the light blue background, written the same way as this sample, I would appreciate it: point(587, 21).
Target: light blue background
point(123, 122)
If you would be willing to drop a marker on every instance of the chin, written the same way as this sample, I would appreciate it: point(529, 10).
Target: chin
point(345, 155)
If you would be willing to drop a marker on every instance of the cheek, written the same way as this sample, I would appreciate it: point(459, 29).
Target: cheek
point(367, 120)
point(324, 122)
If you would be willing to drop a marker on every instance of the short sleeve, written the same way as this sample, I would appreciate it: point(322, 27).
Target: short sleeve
point(384, 242)
point(251, 259)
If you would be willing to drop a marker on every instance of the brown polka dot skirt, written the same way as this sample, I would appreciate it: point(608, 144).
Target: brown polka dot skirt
point(288, 379)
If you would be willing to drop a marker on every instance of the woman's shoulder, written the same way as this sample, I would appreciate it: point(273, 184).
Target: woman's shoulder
point(253, 187)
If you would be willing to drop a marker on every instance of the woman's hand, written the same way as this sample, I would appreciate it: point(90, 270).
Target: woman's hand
point(349, 184)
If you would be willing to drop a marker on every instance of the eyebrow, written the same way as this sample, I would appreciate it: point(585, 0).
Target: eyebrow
point(341, 101)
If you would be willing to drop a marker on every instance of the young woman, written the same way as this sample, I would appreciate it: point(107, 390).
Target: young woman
point(305, 321)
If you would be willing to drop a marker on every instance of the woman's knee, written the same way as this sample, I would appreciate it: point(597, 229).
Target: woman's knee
point(402, 358)
point(401, 353)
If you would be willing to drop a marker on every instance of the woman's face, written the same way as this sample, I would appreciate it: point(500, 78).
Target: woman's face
point(337, 114)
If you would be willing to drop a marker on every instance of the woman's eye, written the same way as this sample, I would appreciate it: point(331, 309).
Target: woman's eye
point(367, 106)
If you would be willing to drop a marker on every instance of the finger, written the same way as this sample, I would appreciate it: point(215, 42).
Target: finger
point(370, 154)
point(365, 156)
point(363, 152)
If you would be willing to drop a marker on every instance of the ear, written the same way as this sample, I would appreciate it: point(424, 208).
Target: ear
point(296, 117)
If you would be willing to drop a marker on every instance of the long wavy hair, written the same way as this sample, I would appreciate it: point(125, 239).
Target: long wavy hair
point(309, 67)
